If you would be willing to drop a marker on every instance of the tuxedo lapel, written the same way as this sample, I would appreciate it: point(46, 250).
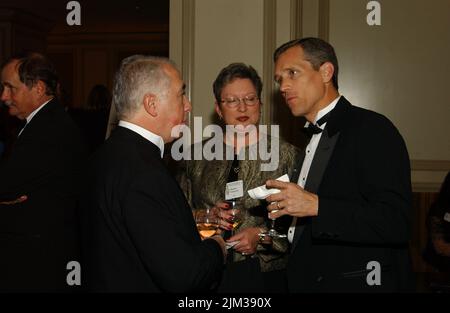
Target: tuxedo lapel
point(320, 161)
point(318, 166)
point(322, 156)
point(337, 121)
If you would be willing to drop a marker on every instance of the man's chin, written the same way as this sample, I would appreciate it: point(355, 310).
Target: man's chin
point(13, 112)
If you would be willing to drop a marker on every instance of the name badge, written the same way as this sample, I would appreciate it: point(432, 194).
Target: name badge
point(234, 190)
point(447, 217)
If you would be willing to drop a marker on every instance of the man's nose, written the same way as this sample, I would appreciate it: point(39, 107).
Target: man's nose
point(284, 86)
point(5, 94)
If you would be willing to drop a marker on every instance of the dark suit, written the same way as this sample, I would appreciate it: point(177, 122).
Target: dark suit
point(140, 233)
point(361, 175)
point(39, 236)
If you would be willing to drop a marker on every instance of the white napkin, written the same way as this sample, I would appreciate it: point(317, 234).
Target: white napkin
point(231, 244)
point(262, 192)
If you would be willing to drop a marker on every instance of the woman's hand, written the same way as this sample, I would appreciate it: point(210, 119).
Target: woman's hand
point(223, 212)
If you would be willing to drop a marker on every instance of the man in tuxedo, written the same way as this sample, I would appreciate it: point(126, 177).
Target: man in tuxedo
point(352, 203)
point(38, 181)
point(140, 233)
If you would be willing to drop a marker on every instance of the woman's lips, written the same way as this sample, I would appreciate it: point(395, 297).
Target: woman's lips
point(242, 119)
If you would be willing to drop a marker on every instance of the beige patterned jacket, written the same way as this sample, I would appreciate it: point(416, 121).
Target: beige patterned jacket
point(203, 183)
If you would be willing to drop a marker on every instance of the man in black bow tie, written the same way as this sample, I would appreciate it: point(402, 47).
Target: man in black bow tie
point(352, 202)
point(38, 181)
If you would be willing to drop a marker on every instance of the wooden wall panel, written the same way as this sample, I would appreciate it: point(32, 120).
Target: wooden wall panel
point(93, 58)
point(5, 41)
point(95, 70)
point(421, 205)
point(29, 39)
point(64, 61)
point(20, 30)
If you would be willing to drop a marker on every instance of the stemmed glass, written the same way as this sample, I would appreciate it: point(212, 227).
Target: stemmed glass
point(272, 232)
point(236, 215)
point(207, 223)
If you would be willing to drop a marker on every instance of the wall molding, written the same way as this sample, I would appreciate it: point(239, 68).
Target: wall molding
point(426, 187)
point(430, 165)
point(188, 48)
point(296, 19)
point(269, 45)
point(324, 19)
point(106, 38)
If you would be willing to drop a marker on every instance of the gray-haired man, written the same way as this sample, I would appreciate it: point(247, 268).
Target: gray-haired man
point(139, 229)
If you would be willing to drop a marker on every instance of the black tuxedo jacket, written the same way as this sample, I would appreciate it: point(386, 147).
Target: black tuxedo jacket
point(361, 175)
point(140, 235)
point(39, 236)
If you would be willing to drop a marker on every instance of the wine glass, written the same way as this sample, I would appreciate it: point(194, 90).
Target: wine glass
point(207, 223)
point(272, 232)
point(236, 215)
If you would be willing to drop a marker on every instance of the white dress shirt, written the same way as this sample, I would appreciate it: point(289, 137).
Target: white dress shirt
point(153, 138)
point(310, 151)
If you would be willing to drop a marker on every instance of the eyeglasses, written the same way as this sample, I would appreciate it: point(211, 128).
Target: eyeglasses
point(233, 102)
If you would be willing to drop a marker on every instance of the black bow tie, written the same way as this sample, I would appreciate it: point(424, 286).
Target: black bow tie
point(314, 129)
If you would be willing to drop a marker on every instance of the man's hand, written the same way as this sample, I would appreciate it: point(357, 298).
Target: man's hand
point(248, 240)
point(16, 201)
point(291, 200)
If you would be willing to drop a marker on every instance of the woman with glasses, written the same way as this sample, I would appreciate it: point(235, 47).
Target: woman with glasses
point(255, 262)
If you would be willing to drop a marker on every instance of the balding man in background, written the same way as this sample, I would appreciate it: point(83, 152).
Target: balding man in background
point(38, 181)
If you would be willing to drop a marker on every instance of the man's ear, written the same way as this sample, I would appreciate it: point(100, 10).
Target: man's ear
point(151, 104)
point(327, 71)
point(40, 87)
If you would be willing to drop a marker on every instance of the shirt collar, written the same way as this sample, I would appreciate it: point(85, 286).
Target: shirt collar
point(153, 138)
point(324, 111)
point(32, 114)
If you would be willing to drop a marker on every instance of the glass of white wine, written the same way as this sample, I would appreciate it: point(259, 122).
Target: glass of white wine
point(207, 223)
point(236, 215)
